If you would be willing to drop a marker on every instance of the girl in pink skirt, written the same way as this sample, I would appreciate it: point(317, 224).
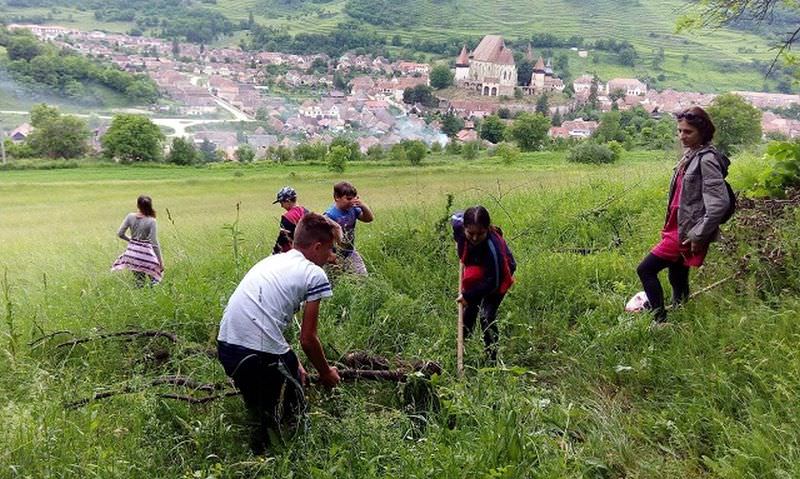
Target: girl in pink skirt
point(143, 255)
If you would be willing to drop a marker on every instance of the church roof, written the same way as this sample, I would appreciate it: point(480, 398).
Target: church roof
point(492, 49)
point(539, 65)
point(463, 58)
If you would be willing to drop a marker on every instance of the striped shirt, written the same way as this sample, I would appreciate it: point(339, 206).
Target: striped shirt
point(264, 303)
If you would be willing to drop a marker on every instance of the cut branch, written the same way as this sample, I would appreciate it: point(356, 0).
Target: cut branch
point(124, 335)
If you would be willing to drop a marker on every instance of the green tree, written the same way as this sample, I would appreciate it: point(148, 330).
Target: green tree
point(132, 138)
point(375, 152)
point(56, 135)
point(530, 131)
point(422, 94)
point(207, 151)
point(398, 153)
point(23, 47)
point(493, 129)
point(610, 128)
point(353, 149)
point(337, 158)
point(245, 153)
point(543, 105)
point(415, 151)
point(182, 152)
point(451, 124)
point(441, 77)
point(738, 123)
point(557, 119)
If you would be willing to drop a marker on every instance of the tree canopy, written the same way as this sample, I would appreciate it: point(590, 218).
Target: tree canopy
point(738, 123)
point(530, 130)
point(56, 135)
point(132, 138)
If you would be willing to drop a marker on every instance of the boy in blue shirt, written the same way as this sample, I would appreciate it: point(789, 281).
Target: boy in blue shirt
point(348, 208)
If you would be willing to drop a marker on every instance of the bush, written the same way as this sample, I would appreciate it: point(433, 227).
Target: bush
point(337, 158)
point(397, 153)
point(375, 152)
point(245, 154)
point(453, 148)
point(470, 150)
point(415, 151)
point(310, 152)
point(436, 147)
point(507, 152)
point(589, 152)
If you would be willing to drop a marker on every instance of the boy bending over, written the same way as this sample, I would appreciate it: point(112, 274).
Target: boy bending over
point(251, 345)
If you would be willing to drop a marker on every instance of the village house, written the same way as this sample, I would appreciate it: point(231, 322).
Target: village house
point(768, 100)
point(629, 86)
point(543, 80)
point(772, 123)
point(409, 68)
point(20, 133)
point(579, 128)
point(583, 83)
point(223, 88)
point(471, 108)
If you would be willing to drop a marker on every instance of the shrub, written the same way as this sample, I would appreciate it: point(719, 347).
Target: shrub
point(507, 152)
point(415, 151)
point(337, 158)
point(398, 153)
point(470, 150)
point(375, 152)
point(589, 152)
point(453, 148)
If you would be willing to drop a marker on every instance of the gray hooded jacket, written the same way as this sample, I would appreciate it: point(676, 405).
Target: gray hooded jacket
point(704, 196)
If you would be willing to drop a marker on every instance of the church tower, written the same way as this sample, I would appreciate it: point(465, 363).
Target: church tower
point(538, 75)
point(462, 65)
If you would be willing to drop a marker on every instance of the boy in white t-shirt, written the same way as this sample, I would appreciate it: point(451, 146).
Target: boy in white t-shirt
point(250, 343)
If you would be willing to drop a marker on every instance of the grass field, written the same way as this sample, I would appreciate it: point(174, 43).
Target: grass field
point(582, 390)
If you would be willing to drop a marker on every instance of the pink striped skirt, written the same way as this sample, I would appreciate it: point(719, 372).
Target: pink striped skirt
point(139, 256)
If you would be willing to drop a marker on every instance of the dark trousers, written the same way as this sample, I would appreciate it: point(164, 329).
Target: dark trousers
point(487, 306)
point(678, 276)
point(270, 386)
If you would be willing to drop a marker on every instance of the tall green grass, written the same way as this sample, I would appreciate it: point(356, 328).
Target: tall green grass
point(582, 390)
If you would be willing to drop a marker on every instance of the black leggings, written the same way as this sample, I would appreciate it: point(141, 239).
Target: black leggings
point(488, 309)
point(678, 276)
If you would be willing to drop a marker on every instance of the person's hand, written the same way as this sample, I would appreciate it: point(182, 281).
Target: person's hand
point(460, 300)
point(356, 202)
point(303, 374)
point(694, 246)
point(330, 378)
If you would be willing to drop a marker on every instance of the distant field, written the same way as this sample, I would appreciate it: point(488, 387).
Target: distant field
point(715, 61)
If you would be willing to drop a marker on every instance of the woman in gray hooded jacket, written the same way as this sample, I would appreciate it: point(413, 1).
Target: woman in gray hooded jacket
point(698, 202)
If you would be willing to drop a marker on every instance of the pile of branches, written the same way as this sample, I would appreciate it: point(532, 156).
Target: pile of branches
point(353, 367)
point(758, 223)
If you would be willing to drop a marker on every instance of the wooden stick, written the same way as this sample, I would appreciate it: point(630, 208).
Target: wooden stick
point(460, 345)
point(125, 335)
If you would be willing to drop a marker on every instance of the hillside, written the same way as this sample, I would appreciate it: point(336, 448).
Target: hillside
point(716, 60)
point(583, 390)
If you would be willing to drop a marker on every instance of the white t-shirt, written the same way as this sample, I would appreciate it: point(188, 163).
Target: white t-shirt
point(268, 297)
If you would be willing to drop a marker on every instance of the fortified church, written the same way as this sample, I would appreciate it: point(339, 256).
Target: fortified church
point(490, 69)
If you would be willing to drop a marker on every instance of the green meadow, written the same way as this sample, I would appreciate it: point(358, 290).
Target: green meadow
point(582, 389)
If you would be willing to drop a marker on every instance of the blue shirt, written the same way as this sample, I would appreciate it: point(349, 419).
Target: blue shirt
point(347, 220)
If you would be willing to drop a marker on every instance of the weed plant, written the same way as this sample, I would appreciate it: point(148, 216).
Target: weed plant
point(581, 390)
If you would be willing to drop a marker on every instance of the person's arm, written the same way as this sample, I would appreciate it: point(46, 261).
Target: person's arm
point(491, 279)
point(309, 341)
point(366, 214)
point(123, 228)
point(715, 199)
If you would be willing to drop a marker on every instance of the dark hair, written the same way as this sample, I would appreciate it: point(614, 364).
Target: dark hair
point(315, 228)
point(145, 205)
point(477, 215)
point(698, 118)
point(344, 188)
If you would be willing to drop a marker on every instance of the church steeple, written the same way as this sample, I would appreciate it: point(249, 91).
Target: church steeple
point(463, 58)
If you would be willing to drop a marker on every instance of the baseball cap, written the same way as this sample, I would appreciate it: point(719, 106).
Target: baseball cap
point(287, 193)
